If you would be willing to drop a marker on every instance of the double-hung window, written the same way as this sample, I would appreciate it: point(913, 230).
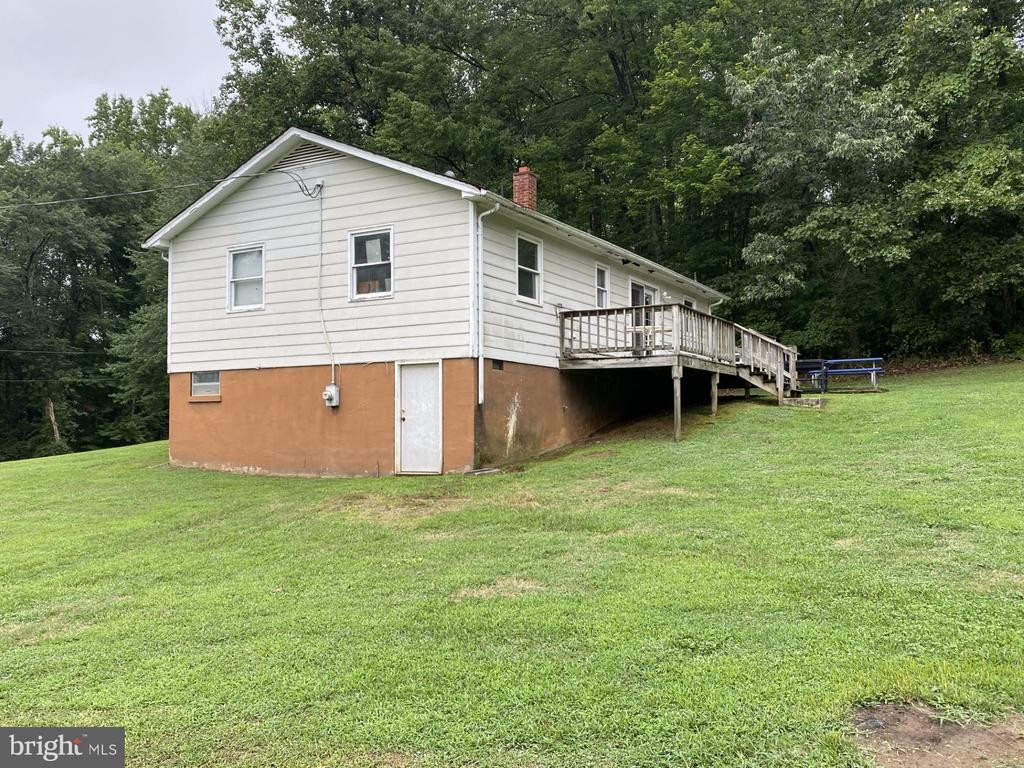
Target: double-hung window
point(370, 263)
point(528, 269)
point(602, 287)
point(245, 278)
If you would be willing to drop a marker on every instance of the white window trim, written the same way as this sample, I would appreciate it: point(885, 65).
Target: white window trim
point(231, 280)
point(352, 234)
point(598, 269)
point(192, 385)
point(539, 301)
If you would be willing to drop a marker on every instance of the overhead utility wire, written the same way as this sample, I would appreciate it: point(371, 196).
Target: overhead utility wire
point(51, 352)
point(41, 203)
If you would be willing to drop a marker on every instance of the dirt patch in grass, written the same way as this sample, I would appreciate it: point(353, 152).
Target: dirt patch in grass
point(60, 621)
point(412, 507)
point(521, 498)
point(49, 628)
point(633, 489)
point(383, 760)
point(605, 454)
point(913, 736)
point(997, 578)
point(396, 510)
point(506, 586)
point(958, 541)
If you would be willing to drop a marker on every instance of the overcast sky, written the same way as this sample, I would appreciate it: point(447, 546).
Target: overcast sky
point(57, 56)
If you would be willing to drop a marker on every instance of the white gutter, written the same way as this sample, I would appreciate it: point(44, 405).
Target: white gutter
point(480, 303)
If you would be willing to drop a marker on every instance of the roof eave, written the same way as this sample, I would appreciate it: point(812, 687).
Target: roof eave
point(593, 240)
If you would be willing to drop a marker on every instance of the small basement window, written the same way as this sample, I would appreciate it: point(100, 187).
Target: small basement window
point(689, 303)
point(245, 278)
point(371, 263)
point(602, 287)
point(528, 263)
point(205, 383)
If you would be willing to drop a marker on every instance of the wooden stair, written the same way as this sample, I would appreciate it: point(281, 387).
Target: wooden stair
point(769, 382)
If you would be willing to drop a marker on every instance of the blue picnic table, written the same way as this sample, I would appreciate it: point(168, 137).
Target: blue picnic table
point(818, 372)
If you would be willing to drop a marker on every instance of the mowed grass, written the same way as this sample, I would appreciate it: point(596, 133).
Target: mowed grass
point(724, 601)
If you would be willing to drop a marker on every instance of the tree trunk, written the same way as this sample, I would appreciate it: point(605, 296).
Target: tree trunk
point(53, 420)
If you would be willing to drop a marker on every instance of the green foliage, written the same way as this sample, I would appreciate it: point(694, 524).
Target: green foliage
point(852, 174)
point(724, 601)
point(79, 307)
point(808, 159)
point(139, 364)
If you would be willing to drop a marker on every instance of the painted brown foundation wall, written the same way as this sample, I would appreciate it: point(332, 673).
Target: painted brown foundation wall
point(273, 420)
point(530, 409)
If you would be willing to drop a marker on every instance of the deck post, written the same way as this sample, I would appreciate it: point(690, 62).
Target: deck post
point(677, 330)
point(677, 402)
point(793, 355)
point(780, 379)
point(746, 391)
point(561, 334)
point(714, 394)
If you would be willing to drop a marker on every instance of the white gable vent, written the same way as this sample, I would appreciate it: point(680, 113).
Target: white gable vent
point(306, 154)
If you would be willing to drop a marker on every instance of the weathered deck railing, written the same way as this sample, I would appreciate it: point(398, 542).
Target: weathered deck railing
point(671, 329)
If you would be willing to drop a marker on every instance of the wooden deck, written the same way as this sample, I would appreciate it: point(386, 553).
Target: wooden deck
point(671, 335)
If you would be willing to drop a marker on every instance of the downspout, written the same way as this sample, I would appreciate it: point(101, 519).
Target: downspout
point(713, 304)
point(480, 302)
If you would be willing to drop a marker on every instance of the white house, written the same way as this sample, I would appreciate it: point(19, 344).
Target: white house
point(333, 311)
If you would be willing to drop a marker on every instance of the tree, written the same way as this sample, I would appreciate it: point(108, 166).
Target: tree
point(71, 276)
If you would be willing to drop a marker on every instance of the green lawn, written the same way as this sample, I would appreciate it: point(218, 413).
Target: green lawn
point(724, 601)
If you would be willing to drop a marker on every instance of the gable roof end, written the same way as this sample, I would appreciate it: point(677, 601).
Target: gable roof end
point(264, 162)
point(310, 147)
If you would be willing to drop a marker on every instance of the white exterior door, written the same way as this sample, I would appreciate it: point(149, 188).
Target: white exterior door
point(418, 433)
point(641, 295)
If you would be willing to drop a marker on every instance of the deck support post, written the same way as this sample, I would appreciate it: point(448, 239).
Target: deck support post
point(714, 394)
point(780, 380)
point(746, 391)
point(677, 402)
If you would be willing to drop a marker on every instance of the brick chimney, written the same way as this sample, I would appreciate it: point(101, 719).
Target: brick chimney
point(524, 188)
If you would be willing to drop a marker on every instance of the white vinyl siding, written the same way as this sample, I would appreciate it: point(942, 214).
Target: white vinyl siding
point(427, 316)
point(518, 331)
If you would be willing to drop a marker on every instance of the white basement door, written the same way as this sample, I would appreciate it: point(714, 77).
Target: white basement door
point(419, 418)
